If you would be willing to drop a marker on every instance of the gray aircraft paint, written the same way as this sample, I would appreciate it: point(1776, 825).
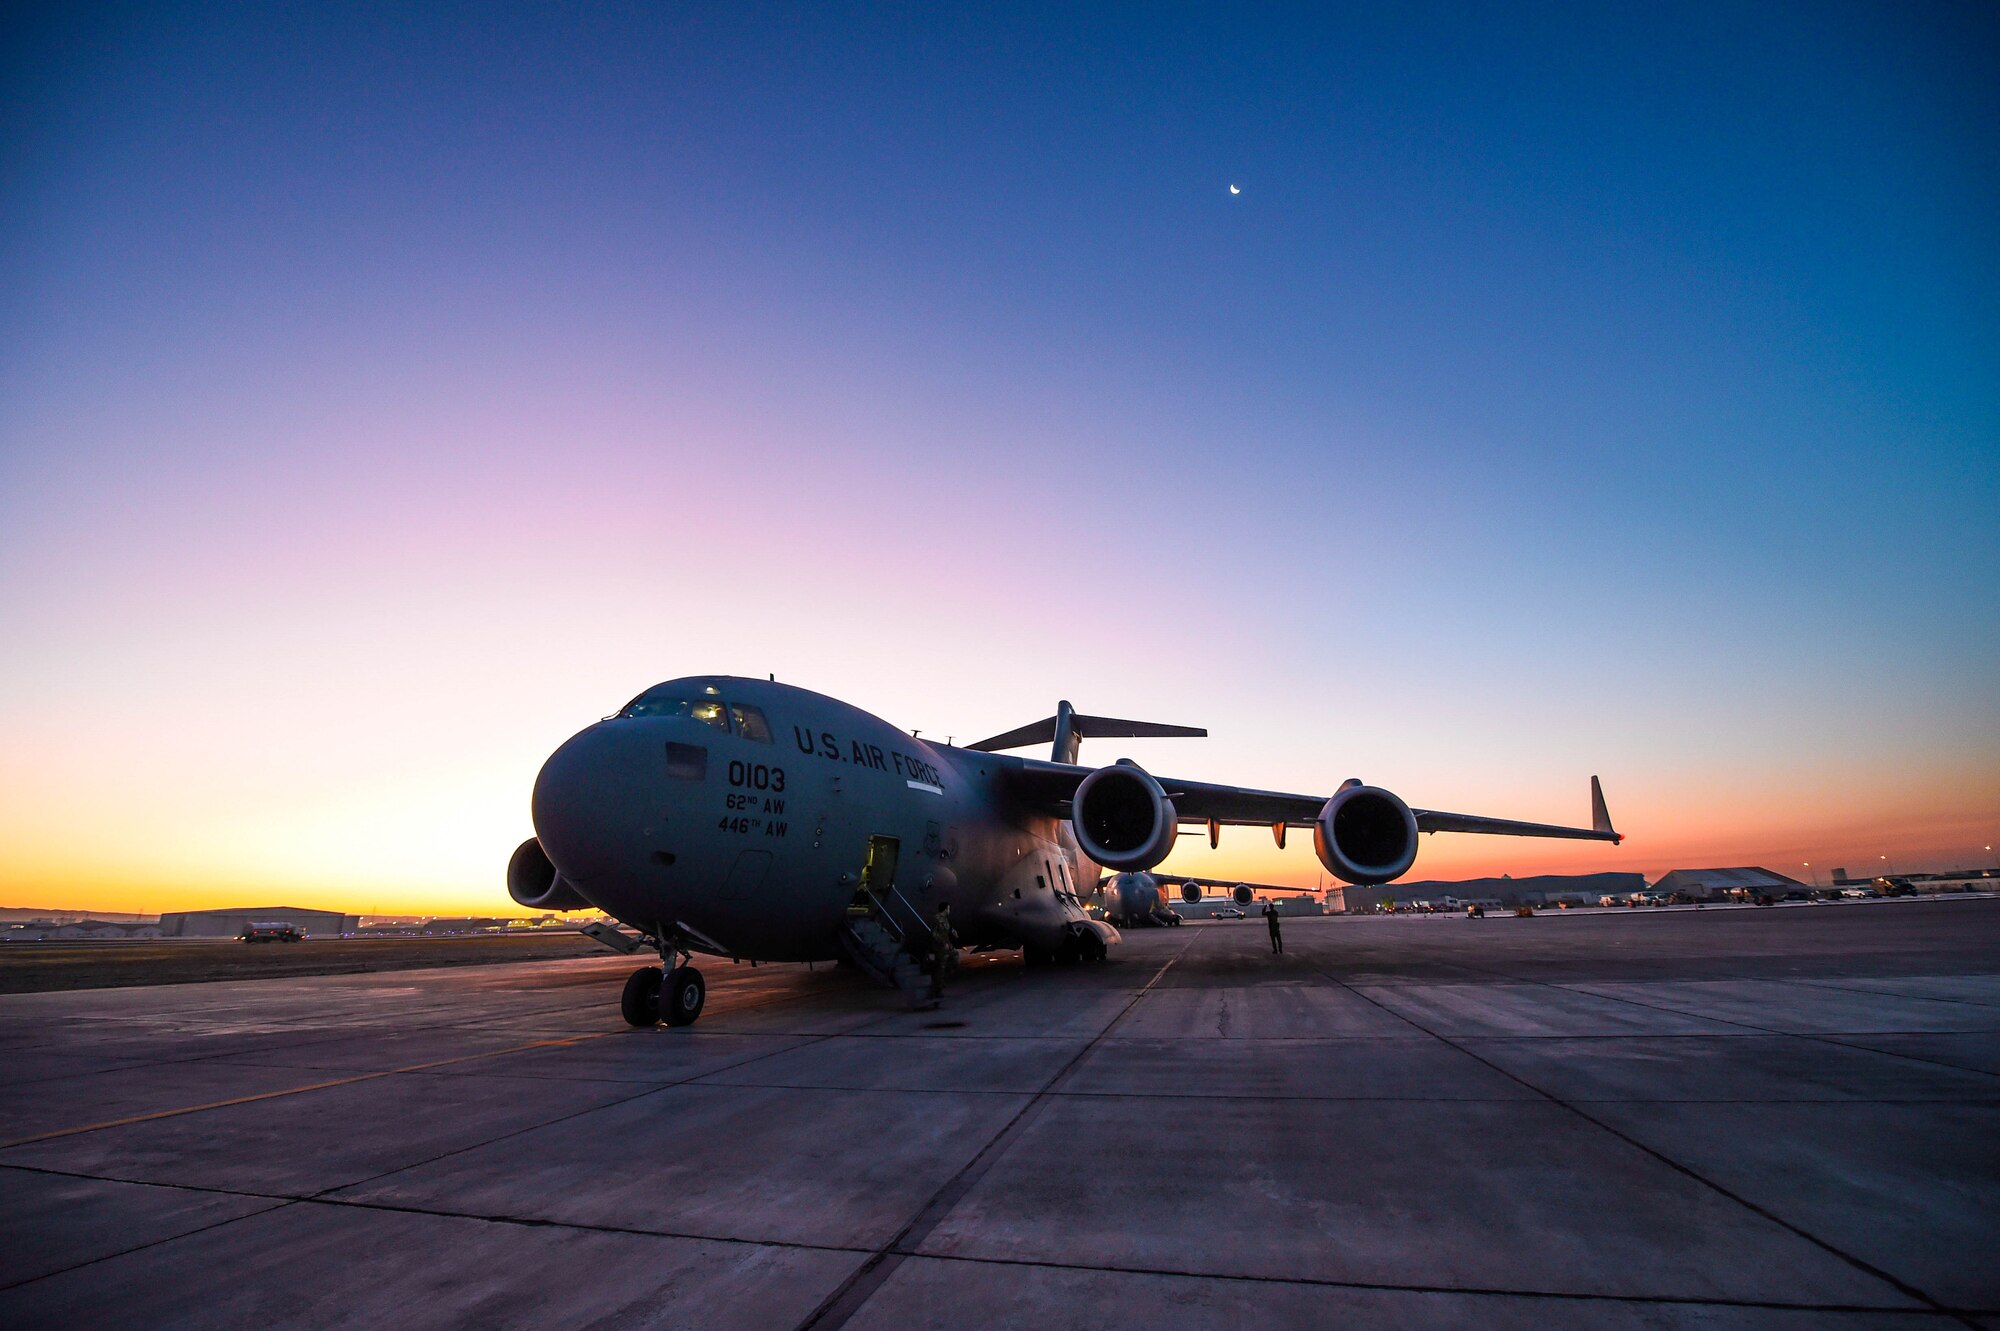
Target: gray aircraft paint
point(831, 776)
point(753, 848)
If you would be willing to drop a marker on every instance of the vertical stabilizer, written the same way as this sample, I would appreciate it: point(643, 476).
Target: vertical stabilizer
point(1068, 741)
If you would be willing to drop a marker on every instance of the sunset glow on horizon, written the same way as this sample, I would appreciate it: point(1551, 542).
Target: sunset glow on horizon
point(385, 400)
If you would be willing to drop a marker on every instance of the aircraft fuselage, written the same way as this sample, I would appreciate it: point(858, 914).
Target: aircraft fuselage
point(745, 820)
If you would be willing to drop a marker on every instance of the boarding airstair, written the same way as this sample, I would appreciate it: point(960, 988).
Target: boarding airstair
point(880, 942)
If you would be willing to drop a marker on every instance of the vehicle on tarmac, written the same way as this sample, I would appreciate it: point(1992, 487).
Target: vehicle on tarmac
point(752, 820)
point(278, 931)
point(1226, 913)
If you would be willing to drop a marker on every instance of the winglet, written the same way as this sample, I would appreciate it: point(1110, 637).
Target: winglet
point(1600, 817)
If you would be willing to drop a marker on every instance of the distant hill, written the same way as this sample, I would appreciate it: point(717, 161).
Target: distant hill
point(61, 915)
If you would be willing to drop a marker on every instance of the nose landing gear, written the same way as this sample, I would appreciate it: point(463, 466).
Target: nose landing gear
point(674, 993)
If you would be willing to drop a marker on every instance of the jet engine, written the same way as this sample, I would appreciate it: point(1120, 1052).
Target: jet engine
point(1241, 894)
point(1364, 834)
point(1123, 819)
point(533, 881)
point(1190, 892)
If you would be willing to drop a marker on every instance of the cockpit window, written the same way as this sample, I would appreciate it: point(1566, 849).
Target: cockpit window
point(750, 722)
point(673, 702)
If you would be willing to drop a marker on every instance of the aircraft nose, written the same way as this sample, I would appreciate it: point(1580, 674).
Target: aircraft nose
point(590, 803)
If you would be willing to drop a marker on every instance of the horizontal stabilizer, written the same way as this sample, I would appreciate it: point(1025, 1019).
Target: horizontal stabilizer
point(1086, 727)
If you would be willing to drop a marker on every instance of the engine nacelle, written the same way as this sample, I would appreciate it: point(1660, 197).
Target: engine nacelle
point(1364, 834)
point(1190, 892)
point(1241, 894)
point(1123, 819)
point(533, 881)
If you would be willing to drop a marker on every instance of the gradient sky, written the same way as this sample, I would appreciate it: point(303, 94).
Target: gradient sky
point(386, 394)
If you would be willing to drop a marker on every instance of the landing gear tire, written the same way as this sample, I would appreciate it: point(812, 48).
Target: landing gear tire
point(1089, 947)
point(640, 1003)
point(682, 998)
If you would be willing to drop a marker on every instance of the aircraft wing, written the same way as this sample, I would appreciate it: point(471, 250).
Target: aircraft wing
point(1049, 786)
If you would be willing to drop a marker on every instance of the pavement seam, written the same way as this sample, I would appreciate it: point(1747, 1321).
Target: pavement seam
point(133, 1065)
point(848, 1297)
point(1478, 1291)
point(283, 1201)
point(1856, 987)
point(323, 1196)
point(1688, 1171)
point(588, 1227)
point(375, 1075)
point(277, 1204)
point(129, 1120)
point(456, 1021)
point(1584, 987)
point(1820, 1036)
point(652, 1089)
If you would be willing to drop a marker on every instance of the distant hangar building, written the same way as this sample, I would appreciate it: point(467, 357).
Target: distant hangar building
point(1723, 884)
point(232, 921)
point(1537, 890)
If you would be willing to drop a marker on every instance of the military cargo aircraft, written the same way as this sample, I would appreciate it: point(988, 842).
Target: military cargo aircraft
point(753, 820)
point(1139, 899)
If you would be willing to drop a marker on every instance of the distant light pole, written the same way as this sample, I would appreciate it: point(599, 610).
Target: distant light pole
point(1807, 866)
point(1888, 869)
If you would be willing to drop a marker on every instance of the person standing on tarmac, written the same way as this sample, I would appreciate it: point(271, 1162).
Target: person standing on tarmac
point(942, 939)
point(1271, 918)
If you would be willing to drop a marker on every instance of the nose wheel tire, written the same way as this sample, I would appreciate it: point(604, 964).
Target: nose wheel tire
point(640, 1003)
point(680, 1002)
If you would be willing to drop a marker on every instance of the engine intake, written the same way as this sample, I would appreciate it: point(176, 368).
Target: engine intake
point(1364, 834)
point(532, 880)
point(1123, 819)
point(1241, 894)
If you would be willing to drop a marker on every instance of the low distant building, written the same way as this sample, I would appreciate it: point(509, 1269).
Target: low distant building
point(464, 924)
point(44, 915)
point(1537, 890)
point(1952, 880)
point(230, 922)
point(94, 930)
point(1724, 884)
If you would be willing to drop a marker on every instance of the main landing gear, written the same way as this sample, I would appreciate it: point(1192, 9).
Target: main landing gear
point(1078, 947)
point(655, 994)
point(640, 1003)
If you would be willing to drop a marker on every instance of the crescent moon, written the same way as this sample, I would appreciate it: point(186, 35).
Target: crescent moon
point(1234, 190)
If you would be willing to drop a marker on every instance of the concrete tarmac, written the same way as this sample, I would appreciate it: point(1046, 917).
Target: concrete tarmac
point(1784, 1118)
